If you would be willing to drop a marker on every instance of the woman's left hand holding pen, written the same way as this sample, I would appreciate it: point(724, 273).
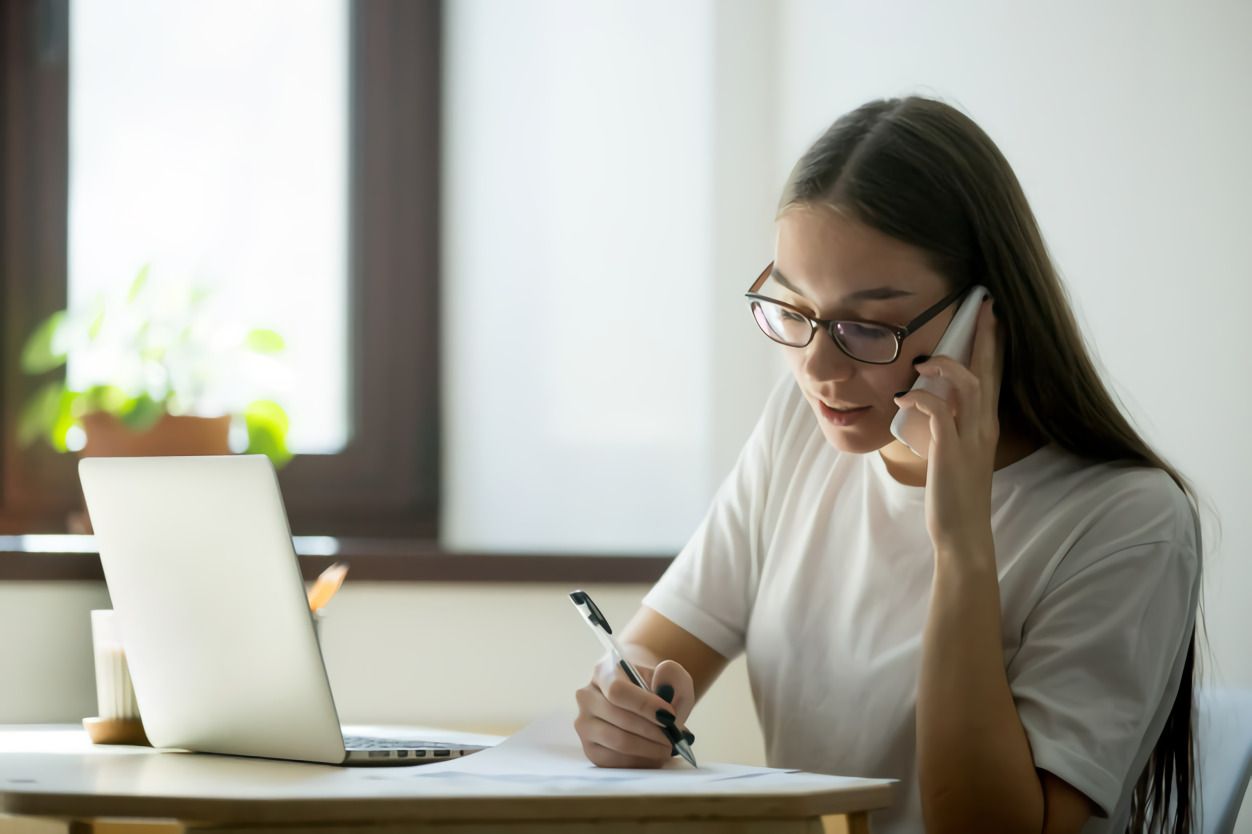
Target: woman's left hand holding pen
point(619, 724)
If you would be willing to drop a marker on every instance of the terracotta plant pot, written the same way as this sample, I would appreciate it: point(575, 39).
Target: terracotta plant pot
point(108, 437)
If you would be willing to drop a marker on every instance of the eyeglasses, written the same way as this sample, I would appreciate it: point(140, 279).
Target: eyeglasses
point(865, 341)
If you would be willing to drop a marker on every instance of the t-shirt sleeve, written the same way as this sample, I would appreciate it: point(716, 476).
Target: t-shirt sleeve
point(1104, 647)
point(709, 588)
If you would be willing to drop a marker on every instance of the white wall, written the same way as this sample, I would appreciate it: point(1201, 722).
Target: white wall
point(46, 671)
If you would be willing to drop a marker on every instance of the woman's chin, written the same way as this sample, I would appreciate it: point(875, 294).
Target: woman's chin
point(857, 439)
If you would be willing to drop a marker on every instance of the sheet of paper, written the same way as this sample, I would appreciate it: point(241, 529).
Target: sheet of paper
point(550, 746)
point(547, 751)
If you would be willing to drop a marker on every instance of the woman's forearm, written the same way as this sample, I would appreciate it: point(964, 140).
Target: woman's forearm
point(975, 770)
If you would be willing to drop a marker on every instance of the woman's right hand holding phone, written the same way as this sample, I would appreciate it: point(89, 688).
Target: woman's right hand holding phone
point(619, 724)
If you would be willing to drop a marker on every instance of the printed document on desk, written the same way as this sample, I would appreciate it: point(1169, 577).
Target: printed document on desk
point(548, 752)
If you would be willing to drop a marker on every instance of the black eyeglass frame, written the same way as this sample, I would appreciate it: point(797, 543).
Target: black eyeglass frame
point(900, 333)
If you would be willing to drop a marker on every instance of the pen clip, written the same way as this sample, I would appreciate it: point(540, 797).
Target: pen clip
point(593, 612)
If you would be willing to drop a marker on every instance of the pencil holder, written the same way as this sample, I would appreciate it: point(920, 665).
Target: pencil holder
point(117, 720)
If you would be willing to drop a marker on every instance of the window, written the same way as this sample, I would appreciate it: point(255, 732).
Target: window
point(217, 152)
point(601, 213)
point(371, 467)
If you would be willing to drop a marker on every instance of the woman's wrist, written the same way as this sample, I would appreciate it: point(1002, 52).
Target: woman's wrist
point(975, 557)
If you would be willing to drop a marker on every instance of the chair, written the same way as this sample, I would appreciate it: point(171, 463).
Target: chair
point(1224, 739)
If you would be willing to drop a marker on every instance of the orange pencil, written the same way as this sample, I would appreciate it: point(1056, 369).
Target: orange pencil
point(326, 585)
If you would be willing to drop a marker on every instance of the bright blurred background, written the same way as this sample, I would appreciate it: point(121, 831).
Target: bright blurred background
point(607, 177)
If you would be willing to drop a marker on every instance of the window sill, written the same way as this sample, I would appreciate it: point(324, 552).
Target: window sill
point(74, 558)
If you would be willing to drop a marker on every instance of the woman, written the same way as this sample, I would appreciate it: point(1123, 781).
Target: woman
point(1007, 625)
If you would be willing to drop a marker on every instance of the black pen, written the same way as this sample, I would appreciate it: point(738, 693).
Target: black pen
point(604, 633)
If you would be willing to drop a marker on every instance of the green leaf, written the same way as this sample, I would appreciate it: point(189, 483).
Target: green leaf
point(40, 414)
point(106, 398)
point(141, 413)
point(40, 354)
point(136, 286)
point(267, 431)
point(262, 340)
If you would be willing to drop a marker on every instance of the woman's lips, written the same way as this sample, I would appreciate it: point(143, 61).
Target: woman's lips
point(842, 417)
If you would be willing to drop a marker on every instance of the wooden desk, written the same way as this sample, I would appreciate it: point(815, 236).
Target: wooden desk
point(53, 781)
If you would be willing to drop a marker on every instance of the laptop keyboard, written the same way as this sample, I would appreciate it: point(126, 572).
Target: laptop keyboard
point(374, 743)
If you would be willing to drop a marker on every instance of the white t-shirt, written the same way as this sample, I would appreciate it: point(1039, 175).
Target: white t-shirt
point(817, 563)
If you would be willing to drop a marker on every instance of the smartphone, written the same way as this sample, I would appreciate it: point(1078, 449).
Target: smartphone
point(910, 426)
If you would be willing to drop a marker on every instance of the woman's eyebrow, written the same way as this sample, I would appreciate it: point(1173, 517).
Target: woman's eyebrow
point(875, 294)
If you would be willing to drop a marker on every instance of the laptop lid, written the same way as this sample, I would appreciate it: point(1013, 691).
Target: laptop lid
point(207, 592)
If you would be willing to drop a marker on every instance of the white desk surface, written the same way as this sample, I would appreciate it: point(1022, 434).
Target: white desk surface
point(54, 770)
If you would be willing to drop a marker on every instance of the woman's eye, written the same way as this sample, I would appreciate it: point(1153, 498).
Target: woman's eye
point(790, 316)
point(864, 332)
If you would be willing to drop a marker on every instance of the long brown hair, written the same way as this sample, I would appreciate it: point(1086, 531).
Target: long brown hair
point(923, 172)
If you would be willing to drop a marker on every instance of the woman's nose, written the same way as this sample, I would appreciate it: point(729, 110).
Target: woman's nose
point(823, 359)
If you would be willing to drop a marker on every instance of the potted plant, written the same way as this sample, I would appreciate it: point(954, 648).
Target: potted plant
point(156, 370)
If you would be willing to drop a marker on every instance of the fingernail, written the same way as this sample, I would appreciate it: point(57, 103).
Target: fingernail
point(900, 394)
point(917, 360)
point(690, 736)
point(666, 692)
point(665, 717)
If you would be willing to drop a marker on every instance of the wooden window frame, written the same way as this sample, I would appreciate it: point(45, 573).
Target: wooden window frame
point(386, 482)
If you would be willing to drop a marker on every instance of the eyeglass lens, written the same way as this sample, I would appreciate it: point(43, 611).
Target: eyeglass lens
point(867, 342)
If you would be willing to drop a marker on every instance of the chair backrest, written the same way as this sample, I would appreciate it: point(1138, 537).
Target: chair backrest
point(1224, 739)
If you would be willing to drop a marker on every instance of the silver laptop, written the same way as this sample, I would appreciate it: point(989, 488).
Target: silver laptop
point(214, 619)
